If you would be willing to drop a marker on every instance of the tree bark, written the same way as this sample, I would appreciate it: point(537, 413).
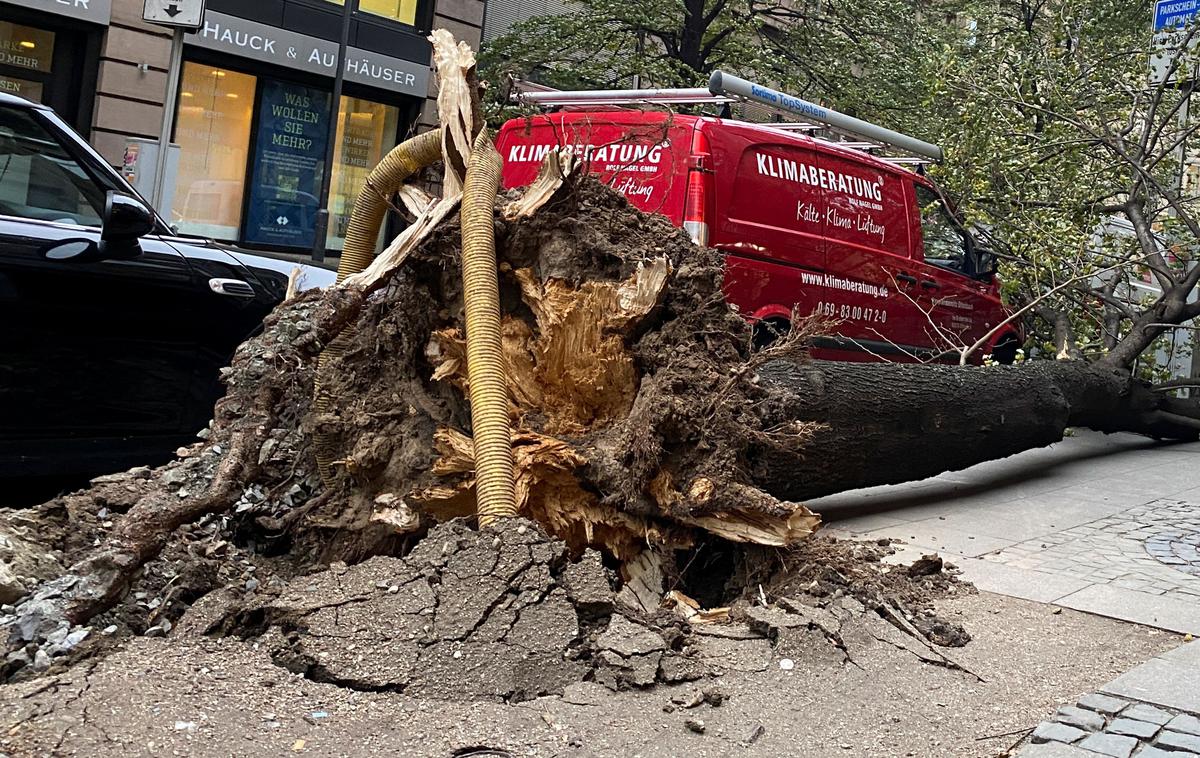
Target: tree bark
point(891, 423)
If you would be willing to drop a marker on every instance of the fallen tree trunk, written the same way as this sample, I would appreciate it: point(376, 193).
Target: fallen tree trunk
point(892, 423)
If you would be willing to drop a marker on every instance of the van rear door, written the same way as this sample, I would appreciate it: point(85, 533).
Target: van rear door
point(641, 154)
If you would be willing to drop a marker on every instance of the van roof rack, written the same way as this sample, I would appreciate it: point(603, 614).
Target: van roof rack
point(727, 88)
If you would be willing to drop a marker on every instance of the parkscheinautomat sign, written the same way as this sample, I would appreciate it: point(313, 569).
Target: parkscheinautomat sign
point(1173, 20)
point(269, 44)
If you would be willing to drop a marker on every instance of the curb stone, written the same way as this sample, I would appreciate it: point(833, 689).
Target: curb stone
point(1098, 727)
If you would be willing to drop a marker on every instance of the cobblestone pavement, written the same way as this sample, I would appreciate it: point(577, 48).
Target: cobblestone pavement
point(1149, 548)
point(1117, 727)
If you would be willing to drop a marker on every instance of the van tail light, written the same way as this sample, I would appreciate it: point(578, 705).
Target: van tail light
point(699, 190)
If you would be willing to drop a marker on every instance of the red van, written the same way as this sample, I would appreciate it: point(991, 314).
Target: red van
point(807, 226)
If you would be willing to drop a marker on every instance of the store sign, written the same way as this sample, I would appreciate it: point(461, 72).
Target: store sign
point(269, 44)
point(94, 11)
point(26, 47)
point(21, 88)
point(293, 126)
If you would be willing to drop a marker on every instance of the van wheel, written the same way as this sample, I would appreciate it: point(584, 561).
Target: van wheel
point(1005, 352)
point(768, 331)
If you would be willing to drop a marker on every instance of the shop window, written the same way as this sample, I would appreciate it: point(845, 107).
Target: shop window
point(22, 88)
point(289, 152)
point(213, 131)
point(366, 131)
point(26, 56)
point(404, 11)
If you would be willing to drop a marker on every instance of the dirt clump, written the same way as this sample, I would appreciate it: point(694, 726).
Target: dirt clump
point(499, 613)
point(647, 445)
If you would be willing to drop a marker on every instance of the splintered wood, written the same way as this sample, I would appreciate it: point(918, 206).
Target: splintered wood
point(558, 166)
point(768, 522)
point(689, 610)
point(428, 219)
point(457, 111)
point(575, 370)
point(548, 491)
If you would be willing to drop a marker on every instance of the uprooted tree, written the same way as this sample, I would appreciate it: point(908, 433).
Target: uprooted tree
point(556, 354)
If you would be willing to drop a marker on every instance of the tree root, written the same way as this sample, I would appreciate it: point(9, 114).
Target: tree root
point(95, 583)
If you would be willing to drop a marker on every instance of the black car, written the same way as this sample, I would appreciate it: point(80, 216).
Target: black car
point(114, 329)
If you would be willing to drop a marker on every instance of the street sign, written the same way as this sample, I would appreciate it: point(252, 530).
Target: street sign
point(1171, 14)
point(1172, 19)
point(180, 14)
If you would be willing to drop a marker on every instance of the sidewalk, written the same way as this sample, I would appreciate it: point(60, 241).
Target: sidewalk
point(1104, 524)
point(1109, 525)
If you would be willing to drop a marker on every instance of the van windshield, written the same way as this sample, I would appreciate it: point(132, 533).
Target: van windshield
point(945, 241)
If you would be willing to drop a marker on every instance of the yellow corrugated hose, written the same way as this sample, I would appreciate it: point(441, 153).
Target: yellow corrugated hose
point(494, 481)
point(366, 218)
point(403, 161)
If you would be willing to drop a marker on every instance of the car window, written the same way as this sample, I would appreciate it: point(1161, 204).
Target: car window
point(39, 179)
point(944, 242)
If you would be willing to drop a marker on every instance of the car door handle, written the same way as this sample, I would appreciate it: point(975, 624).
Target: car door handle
point(907, 278)
point(233, 287)
point(930, 284)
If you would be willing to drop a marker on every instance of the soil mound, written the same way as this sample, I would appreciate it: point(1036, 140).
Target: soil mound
point(639, 418)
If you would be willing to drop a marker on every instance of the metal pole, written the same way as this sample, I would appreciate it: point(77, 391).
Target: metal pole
point(721, 83)
point(174, 72)
point(322, 224)
point(1188, 88)
point(1181, 150)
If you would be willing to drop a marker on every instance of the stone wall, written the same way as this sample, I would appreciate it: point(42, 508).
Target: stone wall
point(132, 85)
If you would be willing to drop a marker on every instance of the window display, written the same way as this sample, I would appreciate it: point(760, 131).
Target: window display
point(25, 47)
point(289, 152)
point(404, 11)
point(26, 58)
point(213, 132)
point(366, 132)
point(251, 155)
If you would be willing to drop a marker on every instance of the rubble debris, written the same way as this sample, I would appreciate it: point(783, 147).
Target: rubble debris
point(710, 695)
point(926, 565)
point(466, 615)
point(500, 613)
point(755, 735)
point(589, 584)
point(629, 653)
point(941, 632)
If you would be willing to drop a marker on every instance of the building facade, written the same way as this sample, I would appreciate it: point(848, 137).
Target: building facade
point(503, 15)
point(253, 114)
